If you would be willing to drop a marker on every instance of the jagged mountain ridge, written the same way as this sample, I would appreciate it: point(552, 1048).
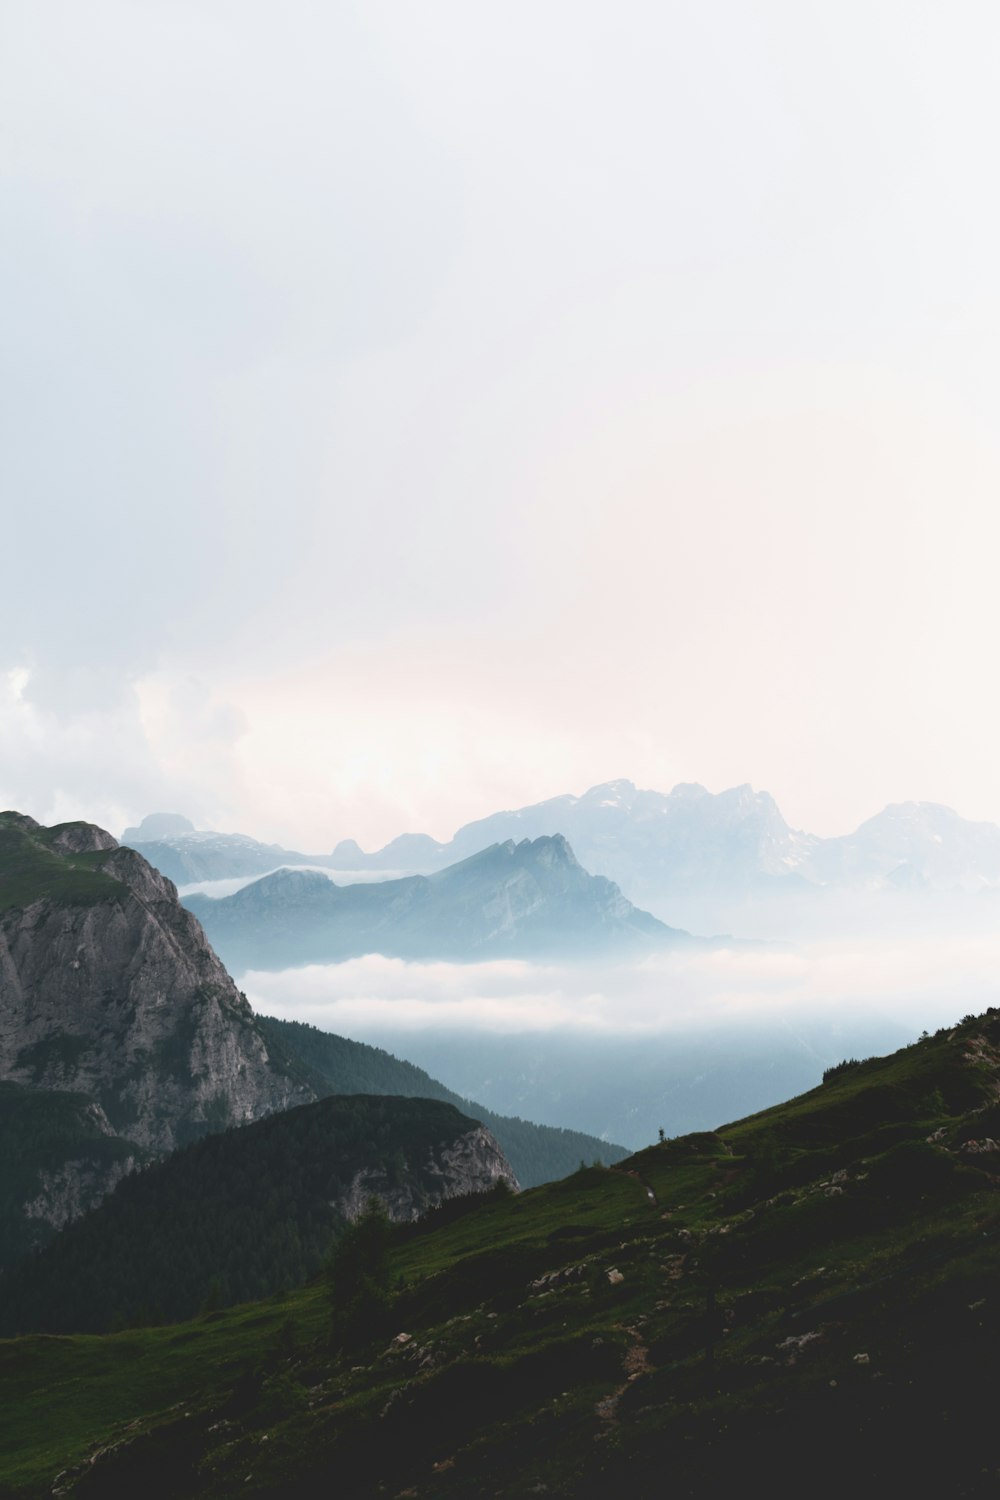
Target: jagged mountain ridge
point(123, 1037)
point(655, 844)
point(528, 900)
point(690, 839)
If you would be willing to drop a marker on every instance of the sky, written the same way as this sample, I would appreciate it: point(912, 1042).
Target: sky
point(411, 411)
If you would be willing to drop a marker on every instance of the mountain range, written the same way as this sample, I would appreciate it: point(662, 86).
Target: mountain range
point(531, 899)
point(736, 840)
point(808, 1294)
point(654, 845)
point(123, 1037)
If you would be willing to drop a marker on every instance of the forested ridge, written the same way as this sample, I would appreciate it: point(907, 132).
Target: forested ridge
point(333, 1064)
point(235, 1216)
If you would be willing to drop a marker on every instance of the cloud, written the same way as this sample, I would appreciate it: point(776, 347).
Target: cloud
point(157, 745)
point(89, 764)
point(919, 984)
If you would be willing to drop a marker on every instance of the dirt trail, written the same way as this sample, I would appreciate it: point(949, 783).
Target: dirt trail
point(635, 1363)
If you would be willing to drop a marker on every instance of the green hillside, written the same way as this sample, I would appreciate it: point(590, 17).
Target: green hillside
point(31, 868)
point(808, 1300)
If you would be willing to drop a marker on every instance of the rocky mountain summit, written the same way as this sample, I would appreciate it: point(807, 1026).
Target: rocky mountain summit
point(110, 994)
point(187, 855)
point(109, 988)
point(527, 900)
point(157, 826)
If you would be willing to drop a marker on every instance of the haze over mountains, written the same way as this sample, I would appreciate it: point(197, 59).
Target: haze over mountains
point(654, 845)
point(528, 900)
point(663, 1030)
point(123, 1036)
point(690, 838)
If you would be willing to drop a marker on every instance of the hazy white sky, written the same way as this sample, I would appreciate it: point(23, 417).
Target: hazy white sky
point(413, 410)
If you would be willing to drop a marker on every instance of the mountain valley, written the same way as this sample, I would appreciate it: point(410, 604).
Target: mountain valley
point(337, 1276)
point(124, 1037)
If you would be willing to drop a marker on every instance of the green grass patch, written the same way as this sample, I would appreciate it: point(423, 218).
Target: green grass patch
point(30, 870)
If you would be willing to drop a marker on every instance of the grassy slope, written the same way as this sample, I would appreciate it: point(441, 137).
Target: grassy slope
point(30, 869)
point(593, 1385)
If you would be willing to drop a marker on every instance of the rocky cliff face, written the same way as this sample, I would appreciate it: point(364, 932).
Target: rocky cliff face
point(120, 997)
point(473, 1163)
point(69, 1190)
point(123, 1037)
point(109, 989)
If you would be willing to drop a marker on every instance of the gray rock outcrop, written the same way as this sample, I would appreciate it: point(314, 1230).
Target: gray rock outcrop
point(123, 1000)
point(474, 1163)
point(110, 990)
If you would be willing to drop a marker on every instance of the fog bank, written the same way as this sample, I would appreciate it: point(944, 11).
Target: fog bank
point(679, 1042)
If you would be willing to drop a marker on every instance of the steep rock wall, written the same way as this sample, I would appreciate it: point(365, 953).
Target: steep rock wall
point(109, 989)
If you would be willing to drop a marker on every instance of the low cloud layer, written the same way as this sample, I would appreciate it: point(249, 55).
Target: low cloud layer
point(914, 984)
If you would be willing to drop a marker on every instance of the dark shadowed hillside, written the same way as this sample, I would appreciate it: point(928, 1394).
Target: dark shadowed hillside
point(810, 1296)
point(249, 1212)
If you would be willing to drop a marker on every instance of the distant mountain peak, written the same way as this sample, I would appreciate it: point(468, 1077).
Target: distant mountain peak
point(550, 849)
point(516, 898)
point(617, 791)
point(348, 849)
point(656, 846)
point(910, 812)
point(158, 826)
